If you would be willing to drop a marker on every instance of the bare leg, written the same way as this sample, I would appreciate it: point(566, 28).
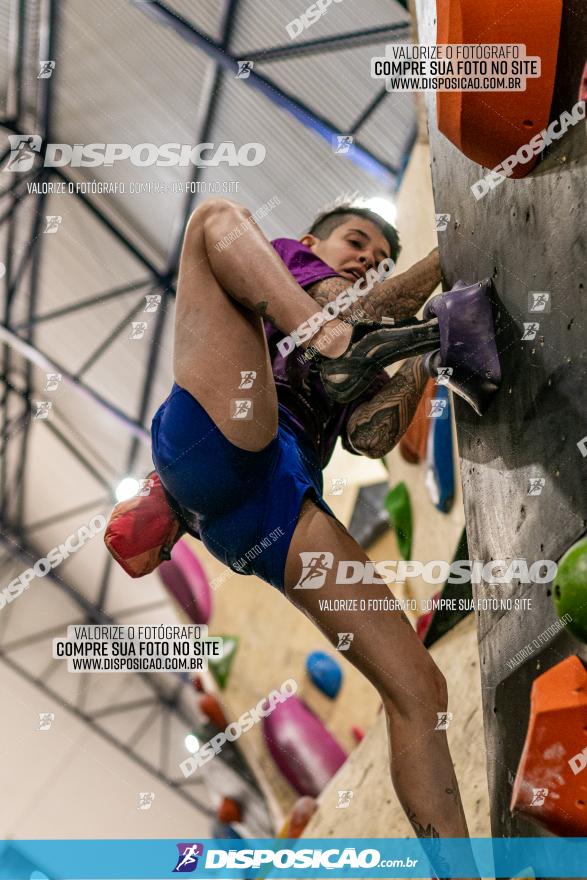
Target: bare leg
point(222, 296)
point(387, 651)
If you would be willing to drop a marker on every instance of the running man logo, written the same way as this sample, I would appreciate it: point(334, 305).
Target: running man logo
point(314, 568)
point(46, 719)
point(539, 795)
point(337, 485)
point(536, 485)
point(146, 798)
point(47, 68)
point(438, 409)
point(344, 641)
point(53, 380)
point(42, 409)
point(23, 149)
point(137, 330)
point(441, 222)
point(52, 223)
point(444, 719)
point(241, 409)
point(344, 800)
point(531, 328)
point(247, 378)
point(152, 301)
point(343, 143)
point(245, 69)
point(443, 375)
point(187, 860)
point(539, 301)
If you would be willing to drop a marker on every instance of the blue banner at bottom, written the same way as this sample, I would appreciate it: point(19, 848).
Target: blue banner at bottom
point(307, 857)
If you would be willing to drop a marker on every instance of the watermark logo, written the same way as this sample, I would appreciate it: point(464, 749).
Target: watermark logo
point(579, 762)
point(245, 68)
point(539, 642)
point(443, 720)
point(441, 222)
point(316, 565)
point(247, 224)
point(236, 729)
point(145, 486)
point(53, 380)
point(314, 570)
point(46, 719)
point(342, 143)
point(361, 287)
point(152, 302)
point(54, 557)
point(337, 485)
point(582, 446)
point(24, 149)
point(146, 799)
point(536, 485)
point(531, 328)
point(312, 14)
point(52, 223)
point(241, 409)
point(42, 409)
point(247, 379)
point(437, 409)
point(344, 799)
point(344, 641)
point(137, 329)
point(539, 795)
point(443, 376)
point(535, 146)
point(539, 301)
point(46, 70)
point(187, 859)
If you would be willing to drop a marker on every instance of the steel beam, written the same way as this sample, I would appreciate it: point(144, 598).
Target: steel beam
point(371, 107)
point(361, 156)
point(115, 293)
point(334, 43)
point(40, 360)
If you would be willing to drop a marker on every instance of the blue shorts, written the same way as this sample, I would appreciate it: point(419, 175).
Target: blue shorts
point(248, 503)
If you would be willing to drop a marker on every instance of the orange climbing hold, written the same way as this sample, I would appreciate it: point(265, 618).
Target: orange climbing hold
point(229, 811)
point(551, 782)
point(213, 711)
point(489, 127)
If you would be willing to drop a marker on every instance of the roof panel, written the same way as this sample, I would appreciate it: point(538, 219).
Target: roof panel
point(256, 29)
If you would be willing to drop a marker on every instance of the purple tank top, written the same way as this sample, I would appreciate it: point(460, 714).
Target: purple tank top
point(304, 405)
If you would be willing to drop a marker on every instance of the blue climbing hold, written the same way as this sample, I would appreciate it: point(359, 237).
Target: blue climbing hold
point(324, 672)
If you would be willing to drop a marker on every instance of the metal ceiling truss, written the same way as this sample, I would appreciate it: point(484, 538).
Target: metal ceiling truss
point(20, 354)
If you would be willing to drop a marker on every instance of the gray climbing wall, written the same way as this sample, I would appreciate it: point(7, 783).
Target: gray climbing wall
point(528, 235)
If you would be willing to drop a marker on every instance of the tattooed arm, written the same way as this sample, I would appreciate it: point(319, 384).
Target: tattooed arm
point(399, 297)
point(377, 425)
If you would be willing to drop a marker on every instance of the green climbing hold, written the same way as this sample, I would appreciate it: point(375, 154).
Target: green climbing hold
point(570, 589)
point(220, 667)
point(399, 509)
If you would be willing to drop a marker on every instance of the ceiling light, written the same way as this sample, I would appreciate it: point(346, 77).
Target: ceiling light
point(384, 207)
point(192, 743)
point(127, 488)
